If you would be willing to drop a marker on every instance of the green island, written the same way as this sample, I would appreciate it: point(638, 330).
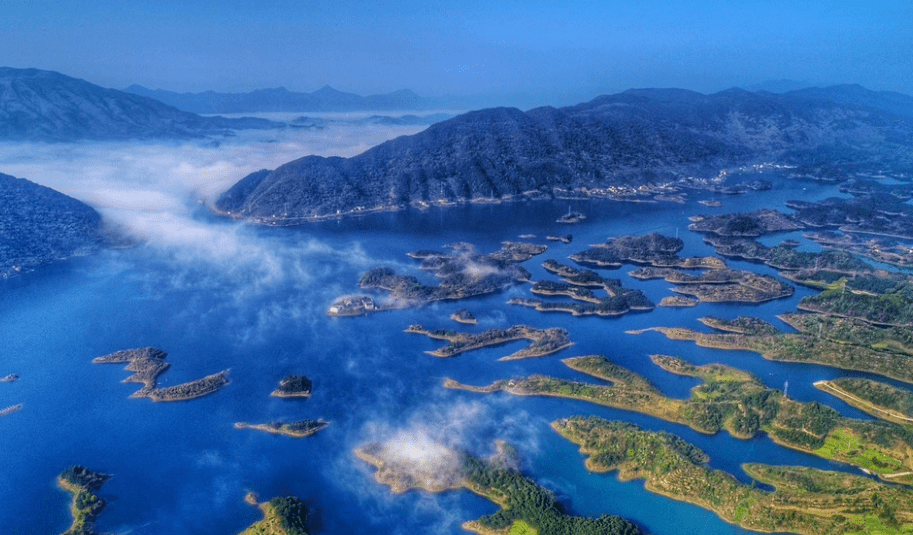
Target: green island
point(526, 507)
point(881, 298)
point(286, 515)
point(732, 400)
point(293, 386)
point(83, 484)
point(542, 341)
point(751, 224)
point(11, 409)
point(883, 250)
point(878, 399)
point(806, 501)
point(720, 285)
point(653, 249)
point(299, 429)
point(855, 345)
point(464, 316)
point(148, 363)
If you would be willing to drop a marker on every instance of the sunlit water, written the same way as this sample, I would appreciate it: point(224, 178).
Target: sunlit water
point(183, 468)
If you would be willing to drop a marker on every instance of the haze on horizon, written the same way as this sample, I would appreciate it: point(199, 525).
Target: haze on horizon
point(522, 53)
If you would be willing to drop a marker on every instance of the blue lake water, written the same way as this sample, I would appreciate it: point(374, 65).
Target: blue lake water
point(183, 468)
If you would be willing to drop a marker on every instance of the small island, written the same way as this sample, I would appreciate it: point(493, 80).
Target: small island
point(299, 429)
point(464, 316)
point(543, 341)
point(148, 363)
point(11, 409)
point(567, 238)
point(11, 378)
point(751, 224)
point(805, 501)
point(678, 301)
point(652, 250)
point(281, 516)
point(571, 217)
point(293, 386)
point(525, 507)
point(83, 484)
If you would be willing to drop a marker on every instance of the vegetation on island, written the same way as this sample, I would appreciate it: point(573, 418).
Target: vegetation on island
point(298, 429)
point(720, 285)
point(751, 224)
point(785, 257)
point(464, 316)
point(578, 285)
point(11, 409)
point(542, 341)
point(83, 484)
point(653, 249)
point(876, 212)
point(462, 273)
point(732, 400)
point(878, 399)
point(885, 250)
point(882, 298)
point(804, 500)
point(281, 516)
point(526, 507)
point(293, 386)
point(148, 363)
point(845, 343)
point(11, 378)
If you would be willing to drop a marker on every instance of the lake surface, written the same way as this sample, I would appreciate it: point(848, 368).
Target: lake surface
point(260, 311)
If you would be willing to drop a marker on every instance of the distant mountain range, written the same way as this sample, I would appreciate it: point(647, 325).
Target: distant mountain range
point(281, 99)
point(38, 105)
point(39, 225)
point(628, 139)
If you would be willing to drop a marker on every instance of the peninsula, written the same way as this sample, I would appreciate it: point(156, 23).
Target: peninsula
point(845, 343)
point(878, 399)
point(299, 429)
point(805, 501)
point(83, 484)
point(525, 507)
point(542, 341)
point(732, 400)
point(148, 363)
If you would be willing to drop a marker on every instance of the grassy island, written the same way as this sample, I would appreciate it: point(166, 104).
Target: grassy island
point(731, 400)
point(293, 386)
point(878, 399)
point(653, 249)
point(805, 500)
point(148, 363)
point(845, 343)
point(281, 516)
point(542, 341)
point(526, 508)
point(720, 285)
point(83, 484)
point(880, 298)
point(299, 429)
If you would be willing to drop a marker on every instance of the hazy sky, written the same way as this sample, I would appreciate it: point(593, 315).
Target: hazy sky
point(555, 51)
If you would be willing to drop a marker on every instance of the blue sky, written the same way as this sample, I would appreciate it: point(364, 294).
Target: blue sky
point(550, 51)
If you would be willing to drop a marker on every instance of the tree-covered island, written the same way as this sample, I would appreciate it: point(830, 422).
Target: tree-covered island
point(83, 484)
point(526, 507)
point(732, 400)
point(804, 500)
point(148, 363)
point(542, 341)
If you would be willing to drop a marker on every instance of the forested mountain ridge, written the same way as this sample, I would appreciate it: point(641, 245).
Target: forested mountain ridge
point(638, 137)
